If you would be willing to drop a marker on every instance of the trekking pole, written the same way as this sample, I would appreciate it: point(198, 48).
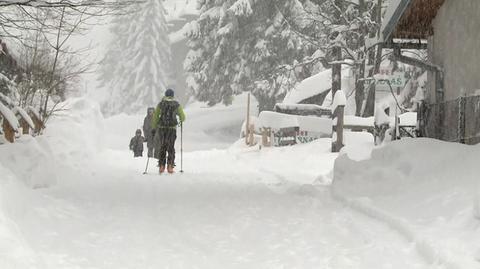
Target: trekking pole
point(181, 147)
point(146, 167)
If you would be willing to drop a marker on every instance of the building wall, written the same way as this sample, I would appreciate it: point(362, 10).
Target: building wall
point(456, 47)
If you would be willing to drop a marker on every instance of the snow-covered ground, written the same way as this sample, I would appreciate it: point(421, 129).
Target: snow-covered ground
point(75, 198)
point(426, 190)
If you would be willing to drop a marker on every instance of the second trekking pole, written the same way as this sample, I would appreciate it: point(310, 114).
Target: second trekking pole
point(146, 167)
point(181, 147)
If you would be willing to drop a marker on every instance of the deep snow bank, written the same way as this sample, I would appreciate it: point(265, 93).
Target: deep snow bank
point(30, 161)
point(426, 189)
point(39, 162)
point(75, 134)
point(14, 251)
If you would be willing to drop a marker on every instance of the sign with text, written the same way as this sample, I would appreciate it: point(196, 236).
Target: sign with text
point(396, 79)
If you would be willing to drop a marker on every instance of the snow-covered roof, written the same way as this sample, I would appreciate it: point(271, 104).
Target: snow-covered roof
point(24, 115)
point(309, 107)
point(314, 85)
point(9, 116)
point(276, 120)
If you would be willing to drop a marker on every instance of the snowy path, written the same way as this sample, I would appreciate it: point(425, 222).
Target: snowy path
point(234, 208)
point(109, 216)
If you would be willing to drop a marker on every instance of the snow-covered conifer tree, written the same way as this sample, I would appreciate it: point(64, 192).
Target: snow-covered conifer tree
point(135, 70)
point(241, 45)
point(267, 46)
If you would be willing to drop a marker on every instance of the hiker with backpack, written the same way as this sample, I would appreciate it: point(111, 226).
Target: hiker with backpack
point(164, 128)
point(147, 131)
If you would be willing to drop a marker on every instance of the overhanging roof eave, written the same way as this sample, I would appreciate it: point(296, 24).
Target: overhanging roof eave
point(391, 22)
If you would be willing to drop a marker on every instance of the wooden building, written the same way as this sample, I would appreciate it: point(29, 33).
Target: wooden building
point(449, 31)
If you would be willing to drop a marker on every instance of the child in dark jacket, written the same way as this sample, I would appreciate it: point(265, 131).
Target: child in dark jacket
point(136, 144)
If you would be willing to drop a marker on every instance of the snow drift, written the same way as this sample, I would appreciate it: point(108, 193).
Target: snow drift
point(40, 162)
point(425, 189)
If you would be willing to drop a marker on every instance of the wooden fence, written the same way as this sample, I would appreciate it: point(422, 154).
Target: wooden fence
point(17, 122)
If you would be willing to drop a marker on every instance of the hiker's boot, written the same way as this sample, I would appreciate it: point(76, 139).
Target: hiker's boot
point(162, 169)
point(170, 169)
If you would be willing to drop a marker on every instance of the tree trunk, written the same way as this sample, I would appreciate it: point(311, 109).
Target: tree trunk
point(360, 89)
point(336, 71)
point(373, 60)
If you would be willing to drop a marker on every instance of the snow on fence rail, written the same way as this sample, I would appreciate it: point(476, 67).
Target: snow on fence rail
point(10, 123)
point(303, 110)
point(17, 121)
point(25, 120)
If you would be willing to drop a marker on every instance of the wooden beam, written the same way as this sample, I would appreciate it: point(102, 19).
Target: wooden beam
point(397, 52)
point(406, 45)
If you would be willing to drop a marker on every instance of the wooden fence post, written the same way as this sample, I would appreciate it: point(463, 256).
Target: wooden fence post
point(337, 128)
point(266, 137)
point(251, 135)
point(9, 131)
point(25, 126)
